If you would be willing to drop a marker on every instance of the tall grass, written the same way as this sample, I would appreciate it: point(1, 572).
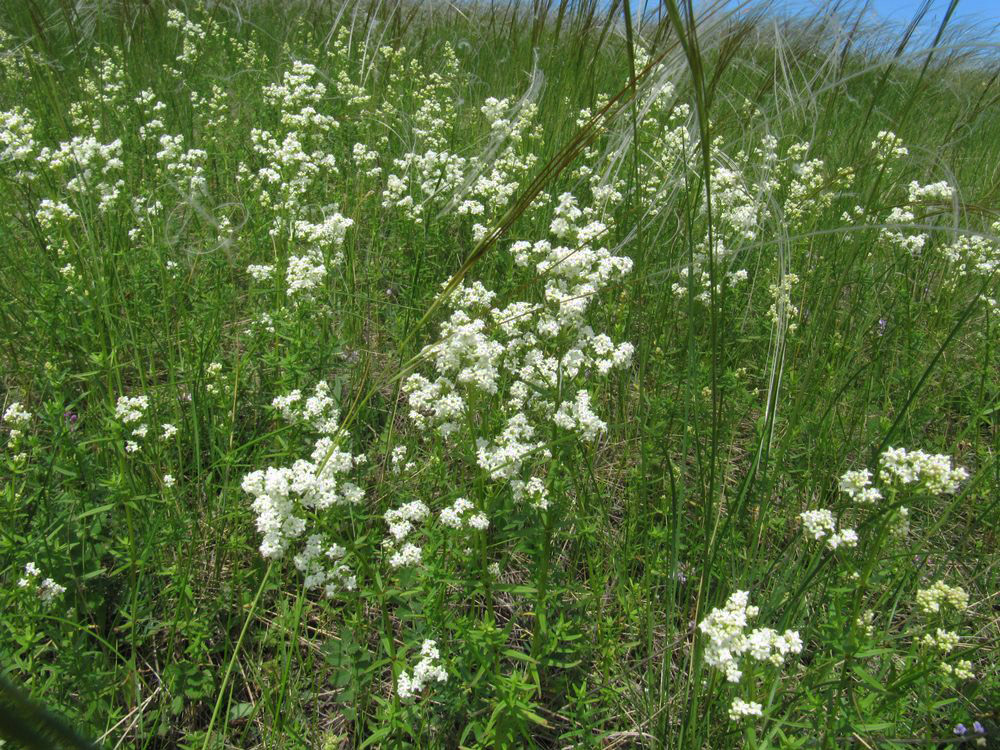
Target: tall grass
point(788, 325)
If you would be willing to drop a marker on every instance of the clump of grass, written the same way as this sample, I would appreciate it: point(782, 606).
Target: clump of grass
point(386, 375)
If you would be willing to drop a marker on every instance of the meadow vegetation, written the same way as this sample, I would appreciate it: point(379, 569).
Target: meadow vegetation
point(556, 375)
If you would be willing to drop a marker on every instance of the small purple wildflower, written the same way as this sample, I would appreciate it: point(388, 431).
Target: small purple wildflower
point(960, 729)
point(978, 728)
point(882, 325)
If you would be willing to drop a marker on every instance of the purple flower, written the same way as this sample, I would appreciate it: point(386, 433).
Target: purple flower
point(960, 729)
point(882, 325)
point(70, 418)
point(978, 728)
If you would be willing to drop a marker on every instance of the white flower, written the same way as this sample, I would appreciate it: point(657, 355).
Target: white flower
point(426, 670)
point(408, 554)
point(844, 537)
point(478, 521)
point(131, 409)
point(285, 499)
point(818, 523)
point(727, 641)
point(943, 640)
point(930, 599)
point(962, 670)
point(741, 709)
point(853, 483)
point(47, 589)
point(168, 480)
point(169, 431)
point(578, 416)
point(16, 415)
point(534, 489)
point(941, 191)
point(887, 145)
point(933, 471)
point(260, 273)
point(457, 515)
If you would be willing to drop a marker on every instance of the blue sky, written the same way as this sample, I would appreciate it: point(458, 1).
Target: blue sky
point(984, 14)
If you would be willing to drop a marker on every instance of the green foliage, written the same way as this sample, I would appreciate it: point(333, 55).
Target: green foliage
point(285, 194)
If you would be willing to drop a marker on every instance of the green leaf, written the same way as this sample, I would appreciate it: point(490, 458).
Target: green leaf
point(240, 711)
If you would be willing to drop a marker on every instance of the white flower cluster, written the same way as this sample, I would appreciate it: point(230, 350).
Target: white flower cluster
point(214, 114)
point(152, 109)
point(297, 96)
point(309, 562)
point(306, 272)
point(939, 191)
point(933, 471)
point(319, 410)
point(328, 235)
point(427, 669)
point(973, 255)
point(457, 515)
point(819, 524)
point(727, 642)
point(504, 165)
point(280, 494)
point(504, 456)
point(960, 671)
point(431, 176)
point(578, 416)
point(398, 457)
point(89, 166)
point(17, 142)
point(857, 486)
point(742, 709)
point(289, 173)
point(366, 160)
point(534, 490)
point(888, 146)
point(287, 499)
point(214, 380)
point(529, 354)
point(51, 213)
point(943, 640)
point(697, 275)
point(260, 272)
point(128, 411)
point(898, 219)
point(934, 601)
point(191, 35)
point(663, 134)
point(16, 415)
point(782, 310)
point(736, 205)
point(401, 522)
point(807, 191)
point(293, 161)
point(185, 167)
point(940, 593)
point(46, 589)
